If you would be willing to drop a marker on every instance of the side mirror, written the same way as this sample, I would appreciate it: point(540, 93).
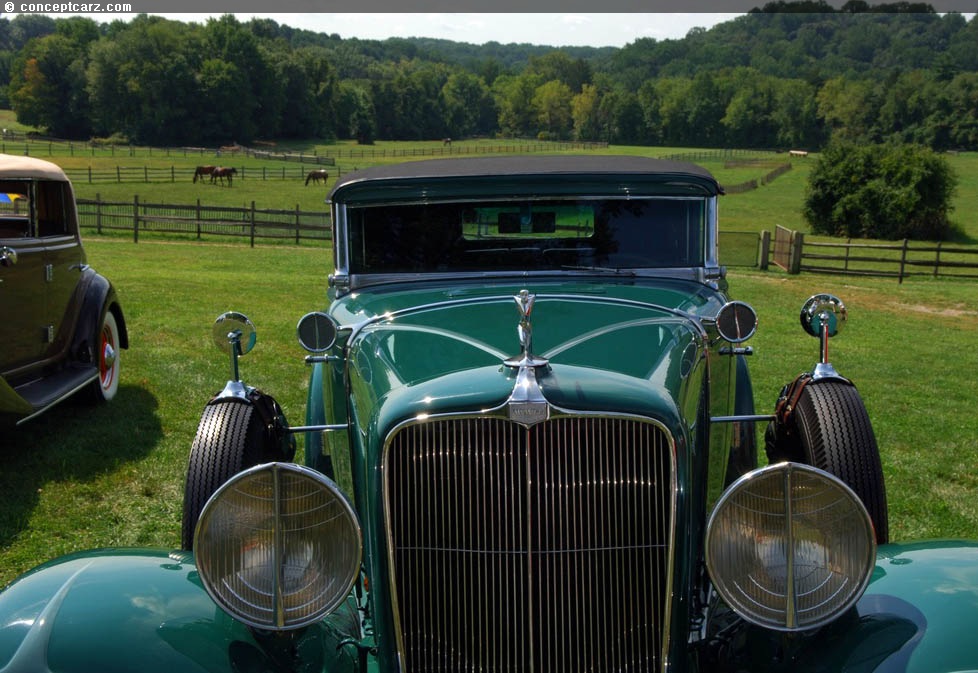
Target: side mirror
point(823, 316)
point(234, 334)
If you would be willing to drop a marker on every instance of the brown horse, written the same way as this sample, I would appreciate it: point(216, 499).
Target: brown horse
point(202, 171)
point(221, 172)
point(318, 175)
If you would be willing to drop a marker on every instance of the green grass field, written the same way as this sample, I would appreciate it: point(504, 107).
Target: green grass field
point(81, 477)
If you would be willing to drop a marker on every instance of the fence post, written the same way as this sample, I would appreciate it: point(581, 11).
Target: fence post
point(762, 261)
point(252, 224)
point(198, 218)
point(903, 260)
point(98, 212)
point(794, 258)
point(135, 218)
point(937, 260)
point(297, 224)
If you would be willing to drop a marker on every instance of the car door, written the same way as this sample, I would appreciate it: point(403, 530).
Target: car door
point(64, 261)
point(23, 287)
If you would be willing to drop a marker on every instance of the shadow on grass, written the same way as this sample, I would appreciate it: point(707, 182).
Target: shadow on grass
point(74, 441)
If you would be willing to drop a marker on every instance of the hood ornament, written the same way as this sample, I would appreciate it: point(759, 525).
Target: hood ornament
point(524, 304)
point(527, 405)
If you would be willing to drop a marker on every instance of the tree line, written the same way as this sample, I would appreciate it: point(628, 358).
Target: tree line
point(789, 75)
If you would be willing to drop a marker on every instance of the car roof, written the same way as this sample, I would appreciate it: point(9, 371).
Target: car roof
point(607, 170)
point(13, 166)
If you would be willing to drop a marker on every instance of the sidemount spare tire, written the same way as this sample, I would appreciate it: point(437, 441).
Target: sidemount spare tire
point(233, 435)
point(826, 425)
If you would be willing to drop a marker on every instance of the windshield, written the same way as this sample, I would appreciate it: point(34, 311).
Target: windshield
point(640, 233)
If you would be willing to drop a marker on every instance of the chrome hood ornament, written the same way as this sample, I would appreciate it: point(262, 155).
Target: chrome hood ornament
point(524, 304)
point(527, 405)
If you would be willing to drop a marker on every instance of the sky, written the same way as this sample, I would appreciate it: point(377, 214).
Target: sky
point(552, 29)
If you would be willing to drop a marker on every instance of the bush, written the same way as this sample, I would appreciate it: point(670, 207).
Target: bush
point(889, 191)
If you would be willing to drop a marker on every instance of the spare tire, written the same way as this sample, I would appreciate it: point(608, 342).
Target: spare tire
point(830, 429)
point(233, 435)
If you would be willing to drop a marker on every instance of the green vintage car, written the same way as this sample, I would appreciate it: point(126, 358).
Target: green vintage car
point(529, 445)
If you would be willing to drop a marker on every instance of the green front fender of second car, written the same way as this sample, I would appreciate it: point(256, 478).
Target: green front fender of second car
point(918, 615)
point(144, 610)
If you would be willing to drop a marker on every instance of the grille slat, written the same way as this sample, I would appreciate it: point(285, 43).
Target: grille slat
point(541, 549)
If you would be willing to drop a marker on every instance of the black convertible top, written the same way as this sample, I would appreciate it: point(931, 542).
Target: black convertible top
point(515, 169)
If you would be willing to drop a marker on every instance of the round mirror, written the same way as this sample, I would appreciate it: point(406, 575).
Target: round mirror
point(231, 325)
point(316, 332)
point(823, 309)
point(736, 322)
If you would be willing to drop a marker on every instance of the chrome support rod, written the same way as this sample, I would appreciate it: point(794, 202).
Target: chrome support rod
point(742, 419)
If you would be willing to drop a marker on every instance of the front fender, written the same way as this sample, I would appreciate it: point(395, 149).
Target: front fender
point(918, 615)
point(146, 610)
point(933, 585)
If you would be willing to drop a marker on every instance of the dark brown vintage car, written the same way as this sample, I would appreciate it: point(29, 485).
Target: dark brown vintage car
point(62, 325)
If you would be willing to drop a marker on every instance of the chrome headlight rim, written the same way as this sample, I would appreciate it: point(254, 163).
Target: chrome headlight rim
point(339, 584)
point(862, 564)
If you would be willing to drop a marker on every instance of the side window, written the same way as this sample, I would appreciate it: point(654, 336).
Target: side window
point(15, 209)
point(55, 214)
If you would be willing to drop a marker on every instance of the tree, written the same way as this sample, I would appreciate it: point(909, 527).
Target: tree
point(47, 87)
point(468, 105)
point(355, 113)
point(586, 114)
point(887, 191)
point(552, 101)
point(514, 100)
point(143, 84)
point(849, 108)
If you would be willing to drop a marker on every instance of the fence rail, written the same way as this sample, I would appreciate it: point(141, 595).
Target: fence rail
point(199, 221)
point(899, 260)
point(147, 174)
point(19, 143)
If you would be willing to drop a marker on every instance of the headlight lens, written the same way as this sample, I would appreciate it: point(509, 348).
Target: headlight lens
point(790, 547)
point(278, 546)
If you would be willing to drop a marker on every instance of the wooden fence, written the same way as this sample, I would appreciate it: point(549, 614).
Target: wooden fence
point(900, 259)
point(19, 143)
point(147, 174)
point(199, 221)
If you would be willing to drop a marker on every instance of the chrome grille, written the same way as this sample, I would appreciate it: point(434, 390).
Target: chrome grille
point(541, 549)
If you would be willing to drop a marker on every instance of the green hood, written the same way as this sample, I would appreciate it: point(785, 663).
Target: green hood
point(619, 348)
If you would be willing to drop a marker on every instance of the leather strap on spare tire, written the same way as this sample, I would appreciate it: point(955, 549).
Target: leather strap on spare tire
point(279, 442)
point(825, 424)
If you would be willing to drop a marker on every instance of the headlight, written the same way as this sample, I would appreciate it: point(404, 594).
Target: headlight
point(278, 546)
point(790, 547)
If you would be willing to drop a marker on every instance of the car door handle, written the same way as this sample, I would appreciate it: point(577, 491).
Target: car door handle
point(8, 256)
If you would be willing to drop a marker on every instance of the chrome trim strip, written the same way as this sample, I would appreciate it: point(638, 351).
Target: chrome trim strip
point(357, 328)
